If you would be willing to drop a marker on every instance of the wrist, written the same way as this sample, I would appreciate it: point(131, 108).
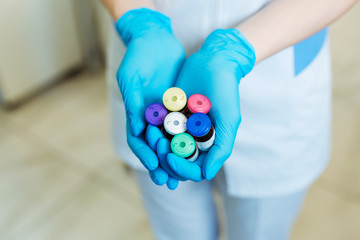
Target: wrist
point(231, 45)
point(139, 22)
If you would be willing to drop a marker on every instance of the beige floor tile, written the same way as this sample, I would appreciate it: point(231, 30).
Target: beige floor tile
point(328, 215)
point(2, 133)
point(2, 129)
point(119, 178)
point(73, 117)
point(95, 214)
point(33, 184)
point(4, 122)
point(343, 170)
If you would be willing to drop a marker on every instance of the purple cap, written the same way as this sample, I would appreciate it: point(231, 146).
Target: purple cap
point(155, 114)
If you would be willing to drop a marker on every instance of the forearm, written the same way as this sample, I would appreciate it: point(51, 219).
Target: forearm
point(283, 23)
point(117, 8)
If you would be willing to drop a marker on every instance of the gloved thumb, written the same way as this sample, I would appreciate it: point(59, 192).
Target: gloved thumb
point(221, 150)
point(131, 90)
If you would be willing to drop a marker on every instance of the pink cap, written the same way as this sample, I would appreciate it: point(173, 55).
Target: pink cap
point(198, 103)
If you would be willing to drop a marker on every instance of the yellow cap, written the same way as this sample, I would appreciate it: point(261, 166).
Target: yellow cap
point(174, 99)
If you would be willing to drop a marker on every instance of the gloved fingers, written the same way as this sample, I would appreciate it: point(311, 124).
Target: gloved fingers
point(172, 183)
point(221, 150)
point(131, 89)
point(223, 145)
point(163, 149)
point(214, 161)
point(200, 160)
point(142, 151)
point(186, 169)
point(153, 134)
point(159, 176)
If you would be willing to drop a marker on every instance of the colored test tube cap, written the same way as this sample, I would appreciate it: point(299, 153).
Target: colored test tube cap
point(174, 99)
point(198, 124)
point(198, 103)
point(183, 145)
point(175, 123)
point(155, 114)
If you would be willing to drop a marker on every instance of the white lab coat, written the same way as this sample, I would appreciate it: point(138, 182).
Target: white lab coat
point(283, 142)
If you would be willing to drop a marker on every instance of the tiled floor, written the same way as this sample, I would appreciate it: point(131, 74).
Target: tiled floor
point(60, 179)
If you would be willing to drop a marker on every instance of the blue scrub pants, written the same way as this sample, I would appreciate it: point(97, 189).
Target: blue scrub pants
point(190, 213)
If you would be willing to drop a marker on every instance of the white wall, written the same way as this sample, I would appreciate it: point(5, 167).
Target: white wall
point(38, 41)
point(103, 23)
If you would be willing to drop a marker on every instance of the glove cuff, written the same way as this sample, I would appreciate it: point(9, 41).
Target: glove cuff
point(232, 45)
point(138, 22)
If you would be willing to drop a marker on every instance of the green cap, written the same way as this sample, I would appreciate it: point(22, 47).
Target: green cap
point(183, 145)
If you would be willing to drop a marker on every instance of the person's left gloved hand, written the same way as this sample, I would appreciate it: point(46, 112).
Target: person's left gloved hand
point(215, 71)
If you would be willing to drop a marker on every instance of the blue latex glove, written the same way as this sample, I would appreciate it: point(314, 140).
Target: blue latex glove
point(161, 146)
point(151, 63)
point(215, 71)
point(147, 150)
point(150, 66)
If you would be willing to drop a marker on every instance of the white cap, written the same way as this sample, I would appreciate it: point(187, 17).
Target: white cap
point(175, 123)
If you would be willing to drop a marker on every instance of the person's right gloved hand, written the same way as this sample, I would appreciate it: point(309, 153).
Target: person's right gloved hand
point(150, 66)
point(215, 71)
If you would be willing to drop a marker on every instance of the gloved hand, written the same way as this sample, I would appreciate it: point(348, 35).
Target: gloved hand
point(151, 63)
point(215, 71)
point(150, 66)
point(163, 173)
point(155, 143)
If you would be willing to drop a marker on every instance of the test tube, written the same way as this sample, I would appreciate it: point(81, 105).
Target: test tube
point(174, 123)
point(184, 145)
point(197, 103)
point(200, 127)
point(155, 114)
point(174, 99)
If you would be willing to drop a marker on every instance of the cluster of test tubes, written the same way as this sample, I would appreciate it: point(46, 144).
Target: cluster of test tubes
point(184, 122)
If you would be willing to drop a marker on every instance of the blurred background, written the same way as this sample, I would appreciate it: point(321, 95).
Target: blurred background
point(59, 176)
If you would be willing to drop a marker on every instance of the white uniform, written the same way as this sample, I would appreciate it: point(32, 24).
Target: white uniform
point(283, 142)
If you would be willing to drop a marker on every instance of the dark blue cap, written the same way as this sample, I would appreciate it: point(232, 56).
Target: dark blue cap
point(198, 124)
